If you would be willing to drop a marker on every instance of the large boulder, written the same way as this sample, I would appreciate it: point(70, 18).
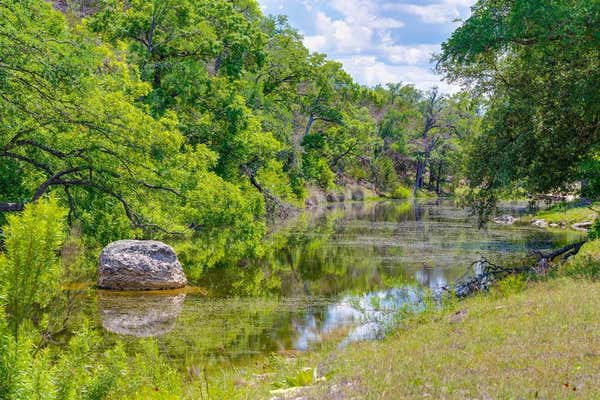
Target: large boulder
point(139, 265)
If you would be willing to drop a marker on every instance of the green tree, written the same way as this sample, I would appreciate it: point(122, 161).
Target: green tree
point(538, 63)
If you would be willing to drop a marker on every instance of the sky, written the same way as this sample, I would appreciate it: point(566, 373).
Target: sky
point(377, 41)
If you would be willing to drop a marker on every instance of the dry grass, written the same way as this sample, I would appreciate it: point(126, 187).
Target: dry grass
point(540, 343)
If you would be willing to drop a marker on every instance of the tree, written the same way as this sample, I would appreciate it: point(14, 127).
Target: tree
point(30, 270)
point(538, 63)
point(69, 123)
point(67, 114)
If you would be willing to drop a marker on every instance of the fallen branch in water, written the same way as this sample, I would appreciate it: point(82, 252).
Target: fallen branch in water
point(487, 273)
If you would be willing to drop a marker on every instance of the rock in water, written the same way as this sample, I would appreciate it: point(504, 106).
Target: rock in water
point(505, 220)
point(539, 223)
point(139, 265)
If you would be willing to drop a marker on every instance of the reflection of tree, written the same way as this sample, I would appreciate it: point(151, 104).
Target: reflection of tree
point(309, 266)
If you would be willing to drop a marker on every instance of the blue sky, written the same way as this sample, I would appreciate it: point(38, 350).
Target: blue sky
point(378, 41)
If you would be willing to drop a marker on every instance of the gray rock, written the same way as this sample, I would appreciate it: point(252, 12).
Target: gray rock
point(140, 315)
point(505, 220)
point(139, 265)
point(540, 223)
point(358, 195)
point(583, 226)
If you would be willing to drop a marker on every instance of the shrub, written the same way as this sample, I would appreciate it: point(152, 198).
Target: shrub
point(585, 267)
point(384, 173)
point(595, 230)
point(272, 177)
point(30, 271)
point(423, 194)
point(402, 192)
point(586, 264)
point(510, 285)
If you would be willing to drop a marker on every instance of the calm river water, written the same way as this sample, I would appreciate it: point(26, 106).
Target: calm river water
point(333, 274)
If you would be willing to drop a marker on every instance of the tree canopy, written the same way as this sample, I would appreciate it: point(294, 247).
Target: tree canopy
point(538, 64)
point(198, 119)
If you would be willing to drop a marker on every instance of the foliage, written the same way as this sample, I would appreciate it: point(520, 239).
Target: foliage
point(586, 264)
point(538, 64)
point(594, 232)
point(510, 285)
point(82, 370)
point(29, 269)
point(142, 105)
point(402, 192)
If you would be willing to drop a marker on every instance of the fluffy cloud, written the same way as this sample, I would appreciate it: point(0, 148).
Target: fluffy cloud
point(441, 12)
point(370, 36)
point(412, 55)
point(371, 72)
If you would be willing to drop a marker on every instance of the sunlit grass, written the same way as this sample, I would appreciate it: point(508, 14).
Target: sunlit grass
point(565, 213)
point(542, 342)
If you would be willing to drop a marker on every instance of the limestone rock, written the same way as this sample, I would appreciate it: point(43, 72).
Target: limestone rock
point(505, 220)
point(139, 265)
point(539, 223)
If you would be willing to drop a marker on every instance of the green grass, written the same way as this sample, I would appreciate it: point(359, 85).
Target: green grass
point(425, 194)
point(528, 344)
point(566, 213)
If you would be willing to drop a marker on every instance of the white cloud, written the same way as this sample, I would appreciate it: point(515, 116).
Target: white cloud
point(316, 43)
point(362, 34)
point(370, 71)
point(412, 55)
point(440, 12)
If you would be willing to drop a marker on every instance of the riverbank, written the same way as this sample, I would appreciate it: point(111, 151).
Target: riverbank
point(564, 215)
point(522, 339)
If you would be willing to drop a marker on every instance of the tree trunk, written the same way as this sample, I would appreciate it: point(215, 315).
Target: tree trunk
point(432, 176)
point(421, 166)
point(309, 124)
point(438, 186)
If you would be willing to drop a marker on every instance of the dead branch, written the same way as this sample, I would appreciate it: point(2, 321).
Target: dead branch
point(488, 273)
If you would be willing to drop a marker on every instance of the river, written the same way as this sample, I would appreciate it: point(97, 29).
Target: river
point(335, 274)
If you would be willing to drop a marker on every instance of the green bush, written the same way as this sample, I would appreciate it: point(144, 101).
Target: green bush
point(317, 170)
point(510, 285)
point(585, 267)
point(586, 264)
point(402, 192)
point(594, 232)
point(384, 174)
point(29, 270)
point(423, 194)
point(272, 177)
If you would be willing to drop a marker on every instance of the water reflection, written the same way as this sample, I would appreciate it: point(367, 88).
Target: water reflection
point(370, 315)
point(339, 274)
point(140, 315)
